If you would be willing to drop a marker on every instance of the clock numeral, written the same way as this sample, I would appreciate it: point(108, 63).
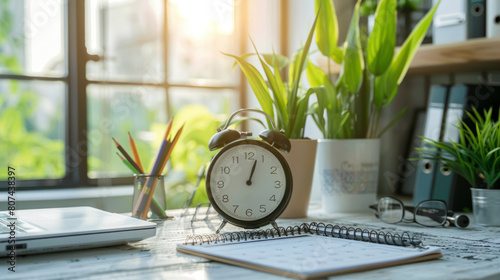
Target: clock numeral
point(277, 184)
point(263, 158)
point(225, 170)
point(235, 207)
point(249, 212)
point(273, 198)
point(220, 184)
point(225, 198)
point(262, 208)
point(236, 160)
point(274, 169)
point(249, 155)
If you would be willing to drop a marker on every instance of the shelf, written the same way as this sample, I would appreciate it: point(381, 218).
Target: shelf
point(473, 55)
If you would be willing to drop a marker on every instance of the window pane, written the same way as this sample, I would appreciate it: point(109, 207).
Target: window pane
point(32, 129)
point(218, 101)
point(113, 111)
point(198, 31)
point(127, 35)
point(31, 37)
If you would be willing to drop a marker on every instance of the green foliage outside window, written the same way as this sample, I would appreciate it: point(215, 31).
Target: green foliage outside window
point(34, 154)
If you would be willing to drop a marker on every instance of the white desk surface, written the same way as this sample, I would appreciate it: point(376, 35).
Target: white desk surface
point(471, 253)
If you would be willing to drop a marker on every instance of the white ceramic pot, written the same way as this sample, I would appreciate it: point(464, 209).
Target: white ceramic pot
point(301, 161)
point(347, 172)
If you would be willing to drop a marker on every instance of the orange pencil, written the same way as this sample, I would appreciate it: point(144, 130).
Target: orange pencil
point(168, 129)
point(134, 151)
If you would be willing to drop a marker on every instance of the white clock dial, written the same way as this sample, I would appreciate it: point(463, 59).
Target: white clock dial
point(247, 182)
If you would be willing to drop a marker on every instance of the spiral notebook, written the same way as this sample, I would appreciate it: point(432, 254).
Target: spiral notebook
point(310, 250)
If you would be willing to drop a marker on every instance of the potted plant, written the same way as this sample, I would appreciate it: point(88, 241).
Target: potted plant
point(288, 104)
point(476, 157)
point(350, 106)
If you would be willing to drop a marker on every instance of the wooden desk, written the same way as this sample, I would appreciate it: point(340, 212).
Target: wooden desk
point(471, 253)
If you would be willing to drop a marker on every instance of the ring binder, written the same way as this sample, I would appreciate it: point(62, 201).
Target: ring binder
point(336, 231)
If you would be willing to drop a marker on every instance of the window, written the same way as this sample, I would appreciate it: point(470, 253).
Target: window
point(74, 74)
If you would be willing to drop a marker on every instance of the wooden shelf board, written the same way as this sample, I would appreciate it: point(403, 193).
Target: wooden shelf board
point(481, 54)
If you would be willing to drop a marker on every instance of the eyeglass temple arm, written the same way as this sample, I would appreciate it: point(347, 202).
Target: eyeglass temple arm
point(374, 207)
point(435, 217)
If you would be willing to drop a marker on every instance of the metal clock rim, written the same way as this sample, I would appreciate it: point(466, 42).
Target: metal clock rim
point(286, 196)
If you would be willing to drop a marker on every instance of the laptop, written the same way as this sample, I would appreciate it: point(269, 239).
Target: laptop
point(60, 229)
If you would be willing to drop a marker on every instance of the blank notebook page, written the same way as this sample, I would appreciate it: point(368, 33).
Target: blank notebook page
point(311, 254)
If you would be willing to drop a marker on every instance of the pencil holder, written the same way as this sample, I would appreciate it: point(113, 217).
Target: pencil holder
point(158, 204)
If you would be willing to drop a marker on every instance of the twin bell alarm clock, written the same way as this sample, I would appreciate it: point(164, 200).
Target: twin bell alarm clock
point(249, 182)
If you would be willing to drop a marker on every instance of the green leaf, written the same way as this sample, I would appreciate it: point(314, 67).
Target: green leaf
point(382, 40)
point(299, 64)
point(314, 111)
point(327, 30)
point(353, 63)
point(257, 83)
point(336, 126)
point(293, 68)
point(386, 85)
point(12, 124)
point(276, 60)
point(279, 82)
point(277, 89)
point(394, 120)
point(317, 78)
point(326, 94)
point(318, 108)
point(244, 56)
point(301, 58)
point(12, 64)
point(302, 109)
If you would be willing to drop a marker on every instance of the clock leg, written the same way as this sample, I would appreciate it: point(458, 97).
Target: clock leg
point(224, 222)
point(275, 225)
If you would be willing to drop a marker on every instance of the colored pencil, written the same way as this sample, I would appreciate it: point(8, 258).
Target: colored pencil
point(155, 206)
point(128, 164)
point(144, 200)
point(169, 127)
point(129, 159)
point(134, 151)
point(174, 141)
point(158, 166)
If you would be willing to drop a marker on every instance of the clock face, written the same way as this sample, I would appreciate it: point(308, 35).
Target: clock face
point(249, 183)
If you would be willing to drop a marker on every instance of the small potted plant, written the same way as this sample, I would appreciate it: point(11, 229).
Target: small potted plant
point(476, 157)
point(288, 104)
point(349, 107)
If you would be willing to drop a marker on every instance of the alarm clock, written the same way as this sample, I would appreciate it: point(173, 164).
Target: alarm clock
point(249, 182)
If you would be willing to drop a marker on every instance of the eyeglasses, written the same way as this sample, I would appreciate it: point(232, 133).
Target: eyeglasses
point(429, 213)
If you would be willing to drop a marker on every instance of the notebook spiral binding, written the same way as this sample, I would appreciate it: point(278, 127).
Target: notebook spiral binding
point(404, 239)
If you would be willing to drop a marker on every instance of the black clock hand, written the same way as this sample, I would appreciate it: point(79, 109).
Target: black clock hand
point(249, 181)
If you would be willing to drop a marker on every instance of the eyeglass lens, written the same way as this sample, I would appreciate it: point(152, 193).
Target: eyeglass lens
point(427, 213)
point(431, 213)
point(390, 210)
